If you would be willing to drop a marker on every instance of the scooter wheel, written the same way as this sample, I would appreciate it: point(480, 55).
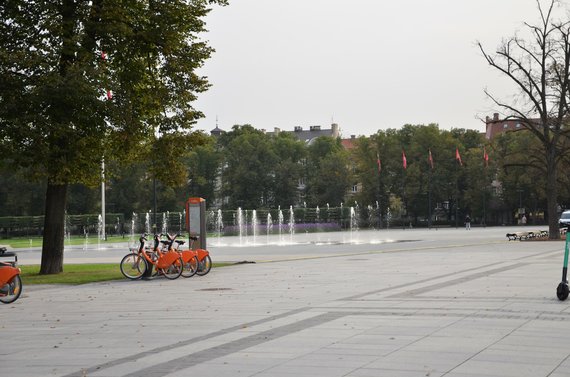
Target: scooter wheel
point(562, 291)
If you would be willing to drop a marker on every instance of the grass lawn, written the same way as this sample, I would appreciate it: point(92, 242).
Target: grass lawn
point(75, 274)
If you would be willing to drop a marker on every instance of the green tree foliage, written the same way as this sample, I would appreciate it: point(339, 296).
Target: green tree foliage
point(419, 188)
point(57, 60)
point(247, 175)
point(328, 175)
point(288, 170)
point(522, 172)
point(20, 195)
point(205, 163)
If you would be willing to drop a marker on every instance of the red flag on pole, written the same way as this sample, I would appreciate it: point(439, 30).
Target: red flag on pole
point(404, 161)
point(485, 156)
point(458, 156)
point(430, 159)
point(379, 162)
point(109, 95)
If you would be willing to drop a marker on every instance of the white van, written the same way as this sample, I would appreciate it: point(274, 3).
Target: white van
point(564, 219)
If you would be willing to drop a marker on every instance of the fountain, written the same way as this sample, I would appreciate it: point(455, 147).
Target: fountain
point(86, 243)
point(254, 225)
point(240, 224)
point(353, 223)
point(147, 222)
point(370, 211)
point(291, 222)
point(219, 225)
point(99, 231)
point(134, 221)
point(165, 222)
point(275, 231)
point(280, 223)
point(269, 225)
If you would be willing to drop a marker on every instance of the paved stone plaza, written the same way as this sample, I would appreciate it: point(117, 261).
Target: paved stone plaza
point(446, 303)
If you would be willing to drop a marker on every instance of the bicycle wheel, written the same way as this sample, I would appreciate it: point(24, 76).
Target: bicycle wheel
point(190, 267)
point(133, 266)
point(174, 270)
point(204, 266)
point(11, 290)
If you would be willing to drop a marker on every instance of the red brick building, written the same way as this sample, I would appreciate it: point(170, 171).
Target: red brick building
point(495, 126)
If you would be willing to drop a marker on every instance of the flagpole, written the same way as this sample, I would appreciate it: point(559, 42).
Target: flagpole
point(456, 195)
point(430, 169)
point(379, 201)
point(379, 196)
point(484, 193)
point(484, 199)
point(429, 199)
point(457, 161)
point(405, 166)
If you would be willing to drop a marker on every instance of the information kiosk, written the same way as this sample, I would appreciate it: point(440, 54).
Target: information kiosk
point(196, 221)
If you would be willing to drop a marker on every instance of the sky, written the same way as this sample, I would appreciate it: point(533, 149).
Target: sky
point(366, 65)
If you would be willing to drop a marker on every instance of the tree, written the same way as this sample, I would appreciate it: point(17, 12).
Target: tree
point(248, 172)
point(93, 79)
point(522, 185)
point(540, 70)
point(205, 162)
point(327, 172)
point(288, 169)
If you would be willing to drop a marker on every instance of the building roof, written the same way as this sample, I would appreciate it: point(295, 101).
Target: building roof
point(495, 126)
point(308, 136)
point(348, 144)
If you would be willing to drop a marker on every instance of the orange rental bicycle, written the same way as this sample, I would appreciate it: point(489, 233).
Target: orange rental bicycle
point(203, 255)
point(189, 257)
point(135, 264)
point(10, 281)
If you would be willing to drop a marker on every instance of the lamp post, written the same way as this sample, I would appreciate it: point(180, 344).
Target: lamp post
point(103, 234)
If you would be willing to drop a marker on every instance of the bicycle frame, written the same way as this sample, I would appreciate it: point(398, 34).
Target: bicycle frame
point(165, 258)
point(187, 255)
point(7, 273)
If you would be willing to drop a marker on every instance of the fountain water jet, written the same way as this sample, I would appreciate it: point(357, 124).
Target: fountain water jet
point(291, 223)
point(219, 225)
point(147, 222)
point(254, 225)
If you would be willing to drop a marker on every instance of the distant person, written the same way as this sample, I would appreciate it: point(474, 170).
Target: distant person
point(467, 222)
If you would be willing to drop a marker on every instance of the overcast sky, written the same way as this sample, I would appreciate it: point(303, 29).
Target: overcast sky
point(364, 64)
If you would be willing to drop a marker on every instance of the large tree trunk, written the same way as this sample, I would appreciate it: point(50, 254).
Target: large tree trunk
point(54, 229)
point(552, 195)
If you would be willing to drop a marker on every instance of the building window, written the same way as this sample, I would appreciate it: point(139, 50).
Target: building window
point(505, 126)
point(354, 188)
point(518, 125)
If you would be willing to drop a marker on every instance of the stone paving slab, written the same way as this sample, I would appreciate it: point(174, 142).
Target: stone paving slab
point(427, 310)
